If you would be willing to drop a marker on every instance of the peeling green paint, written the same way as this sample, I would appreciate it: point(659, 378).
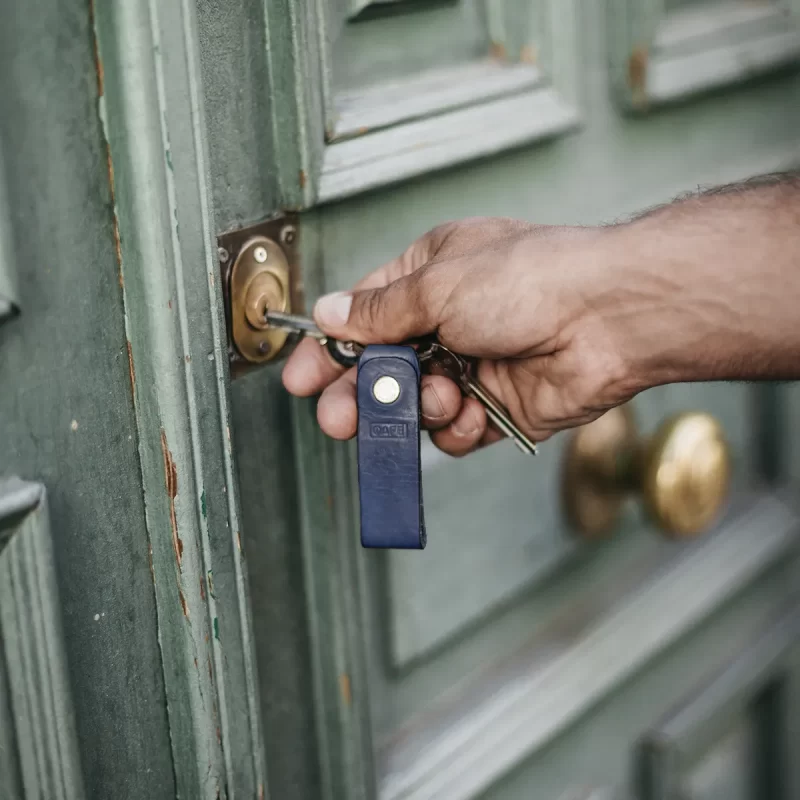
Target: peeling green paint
point(203, 505)
point(216, 628)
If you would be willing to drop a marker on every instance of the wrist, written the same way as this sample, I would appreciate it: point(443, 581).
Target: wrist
point(655, 307)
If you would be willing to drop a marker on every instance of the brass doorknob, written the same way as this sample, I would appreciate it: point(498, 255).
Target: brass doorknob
point(682, 472)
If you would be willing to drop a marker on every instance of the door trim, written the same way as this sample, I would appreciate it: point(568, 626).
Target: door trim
point(458, 759)
point(37, 722)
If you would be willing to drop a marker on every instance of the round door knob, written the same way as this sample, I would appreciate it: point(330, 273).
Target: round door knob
point(682, 472)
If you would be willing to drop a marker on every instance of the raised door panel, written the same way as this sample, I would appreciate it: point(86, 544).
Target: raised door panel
point(734, 735)
point(497, 526)
point(38, 742)
point(661, 52)
point(388, 91)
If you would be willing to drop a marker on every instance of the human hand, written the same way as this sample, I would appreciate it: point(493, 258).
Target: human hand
point(535, 304)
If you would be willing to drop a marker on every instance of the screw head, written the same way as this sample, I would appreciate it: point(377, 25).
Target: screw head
point(260, 254)
point(223, 255)
point(264, 347)
point(386, 389)
point(288, 234)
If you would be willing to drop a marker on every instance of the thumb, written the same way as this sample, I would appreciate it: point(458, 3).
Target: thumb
point(398, 311)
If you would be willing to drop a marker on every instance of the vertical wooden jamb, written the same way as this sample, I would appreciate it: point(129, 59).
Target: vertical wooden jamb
point(152, 110)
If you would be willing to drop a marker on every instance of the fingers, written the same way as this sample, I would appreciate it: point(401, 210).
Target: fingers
point(466, 431)
point(309, 369)
point(337, 411)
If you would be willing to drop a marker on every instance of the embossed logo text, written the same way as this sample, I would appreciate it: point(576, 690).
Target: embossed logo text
point(388, 430)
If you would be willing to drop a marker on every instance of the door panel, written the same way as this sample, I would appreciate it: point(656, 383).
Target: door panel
point(602, 752)
point(38, 741)
point(667, 51)
point(464, 502)
point(733, 736)
point(369, 111)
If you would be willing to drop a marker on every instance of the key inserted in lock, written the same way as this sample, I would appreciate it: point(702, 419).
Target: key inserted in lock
point(389, 471)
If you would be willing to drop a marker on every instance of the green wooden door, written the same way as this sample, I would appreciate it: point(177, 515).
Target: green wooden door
point(202, 622)
point(481, 666)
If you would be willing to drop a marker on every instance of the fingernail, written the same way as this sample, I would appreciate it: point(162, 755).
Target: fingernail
point(333, 309)
point(466, 424)
point(431, 404)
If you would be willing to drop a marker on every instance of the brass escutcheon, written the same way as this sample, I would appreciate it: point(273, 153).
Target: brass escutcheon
point(682, 473)
point(259, 281)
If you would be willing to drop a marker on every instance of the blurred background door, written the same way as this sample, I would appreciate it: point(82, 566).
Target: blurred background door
point(224, 633)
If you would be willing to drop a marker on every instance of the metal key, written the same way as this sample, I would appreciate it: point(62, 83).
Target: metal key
point(433, 356)
point(345, 353)
point(441, 360)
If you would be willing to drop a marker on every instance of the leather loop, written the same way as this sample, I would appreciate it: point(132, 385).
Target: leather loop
point(389, 473)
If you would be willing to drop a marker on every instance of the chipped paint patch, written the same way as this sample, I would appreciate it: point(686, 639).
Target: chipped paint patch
point(183, 603)
point(131, 369)
point(239, 541)
point(637, 75)
point(497, 50)
point(216, 628)
point(202, 590)
point(171, 479)
point(303, 179)
point(345, 689)
point(150, 560)
point(210, 577)
point(203, 505)
point(115, 218)
point(528, 54)
point(168, 157)
point(210, 670)
point(73, 426)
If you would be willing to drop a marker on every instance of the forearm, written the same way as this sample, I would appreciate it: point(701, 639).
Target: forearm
point(708, 287)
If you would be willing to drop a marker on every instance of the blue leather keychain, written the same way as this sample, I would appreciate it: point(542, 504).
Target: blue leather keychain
point(389, 473)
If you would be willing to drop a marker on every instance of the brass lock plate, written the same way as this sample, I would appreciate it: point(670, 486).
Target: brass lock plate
point(258, 270)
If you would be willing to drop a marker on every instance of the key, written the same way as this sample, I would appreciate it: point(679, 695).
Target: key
point(435, 357)
point(440, 360)
point(344, 353)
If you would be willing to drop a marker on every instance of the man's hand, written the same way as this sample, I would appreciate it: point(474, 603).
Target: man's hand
point(523, 298)
point(568, 322)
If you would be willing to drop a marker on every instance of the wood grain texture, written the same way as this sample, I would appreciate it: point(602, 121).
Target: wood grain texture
point(66, 408)
point(154, 121)
point(38, 709)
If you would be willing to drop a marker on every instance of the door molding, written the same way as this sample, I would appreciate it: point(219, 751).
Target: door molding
point(151, 109)
point(458, 756)
point(657, 57)
point(333, 145)
point(9, 300)
point(756, 681)
point(38, 741)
